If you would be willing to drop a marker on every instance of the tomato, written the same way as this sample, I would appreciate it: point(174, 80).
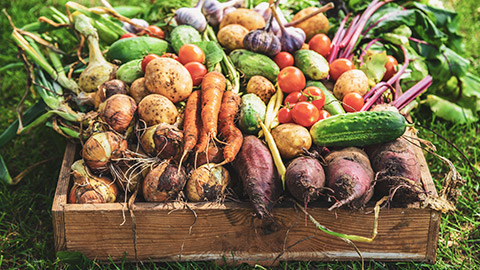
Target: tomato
point(170, 55)
point(128, 35)
point(323, 114)
point(321, 44)
point(197, 72)
point(314, 95)
point(353, 102)
point(155, 31)
point(285, 115)
point(147, 59)
point(294, 97)
point(305, 114)
point(291, 79)
point(339, 66)
point(191, 53)
point(391, 68)
point(283, 59)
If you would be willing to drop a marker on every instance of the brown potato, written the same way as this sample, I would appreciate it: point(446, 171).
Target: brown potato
point(315, 25)
point(262, 87)
point(353, 80)
point(291, 139)
point(167, 77)
point(248, 18)
point(231, 36)
point(155, 109)
point(138, 90)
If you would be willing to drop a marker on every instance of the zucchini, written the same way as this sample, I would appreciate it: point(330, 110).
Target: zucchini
point(183, 34)
point(332, 104)
point(251, 107)
point(129, 49)
point(130, 71)
point(358, 129)
point(312, 64)
point(251, 64)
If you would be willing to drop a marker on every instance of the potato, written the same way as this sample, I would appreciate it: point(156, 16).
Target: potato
point(291, 139)
point(155, 109)
point(262, 87)
point(353, 80)
point(167, 77)
point(315, 25)
point(138, 90)
point(231, 36)
point(247, 18)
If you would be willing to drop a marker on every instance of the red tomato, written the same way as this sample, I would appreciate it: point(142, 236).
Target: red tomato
point(339, 66)
point(315, 95)
point(294, 97)
point(285, 115)
point(170, 55)
point(323, 114)
point(305, 114)
point(391, 66)
point(284, 59)
point(128, 35)
point(191, 53)
point(353, 102)
point(155, 31)
point(291, 79)
point(321, 44)
point(197, 72)
point(147, 59)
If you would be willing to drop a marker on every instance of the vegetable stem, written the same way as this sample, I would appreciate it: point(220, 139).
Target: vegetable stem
point(277, 159)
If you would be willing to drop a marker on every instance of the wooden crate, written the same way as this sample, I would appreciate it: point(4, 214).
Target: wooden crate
point(229, 232)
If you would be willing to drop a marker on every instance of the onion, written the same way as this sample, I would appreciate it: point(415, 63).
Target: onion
point(118, 111)
point(164, 182)
point(207, 183)
point(162, 140)
point(88, 188)
point(108, 89)
point(100, 148)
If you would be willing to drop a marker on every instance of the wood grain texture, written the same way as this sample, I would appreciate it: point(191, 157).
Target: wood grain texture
point(230, 233)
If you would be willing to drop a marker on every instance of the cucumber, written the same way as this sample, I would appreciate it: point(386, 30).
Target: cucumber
point(251, 64)
point(312, 64)
point(129, 49)
point(332, 105)
point(358, 129)
point(251, 107)
point(183, 34)
point(130, 71)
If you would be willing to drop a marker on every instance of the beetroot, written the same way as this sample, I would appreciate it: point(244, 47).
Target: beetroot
point(305, 179)
point(254, 165)
point(350, 176)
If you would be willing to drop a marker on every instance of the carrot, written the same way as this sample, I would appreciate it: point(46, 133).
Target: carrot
point(191, 123)
point(233, 136)
point(213, 86)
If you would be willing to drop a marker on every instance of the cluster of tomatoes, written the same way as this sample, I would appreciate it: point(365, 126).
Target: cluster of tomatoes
point(304, 106)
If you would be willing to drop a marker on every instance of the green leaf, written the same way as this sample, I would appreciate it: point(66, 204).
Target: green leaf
point(213, 52)
point(374, 66)
point(399, 35)
point(450, 111)
point(4, 175)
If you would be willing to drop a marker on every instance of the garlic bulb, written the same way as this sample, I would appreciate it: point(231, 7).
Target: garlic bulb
point(192, 16)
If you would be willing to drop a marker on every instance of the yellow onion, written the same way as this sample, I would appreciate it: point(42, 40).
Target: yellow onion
point(118, 111)
point(108, 89)
point(162, 140)
point(207, 183)
point(164, 182)
point(100, 148)
point(88, 188)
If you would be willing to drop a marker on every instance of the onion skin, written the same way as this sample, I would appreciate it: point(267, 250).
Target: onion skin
point(207, 183)
point(118, 111)
point(108, 89)
point(164, 182)
point(162, 140)
point(100, 148)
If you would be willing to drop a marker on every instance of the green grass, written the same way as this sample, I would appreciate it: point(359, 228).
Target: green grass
point(26, 233)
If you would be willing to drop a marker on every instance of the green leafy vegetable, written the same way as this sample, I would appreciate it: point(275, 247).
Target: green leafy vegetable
point(449, 110)
point(374, 67)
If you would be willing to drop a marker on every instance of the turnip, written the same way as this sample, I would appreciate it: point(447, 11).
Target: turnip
point(207, 183)
point(305, 179)
point(164, 182)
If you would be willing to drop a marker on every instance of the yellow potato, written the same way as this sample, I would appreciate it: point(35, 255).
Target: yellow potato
point(231, 36)
point(262, 87)
point(315, 25)
point(353, 80)
point(291, 139)
point(155, 109)
point(247, 18)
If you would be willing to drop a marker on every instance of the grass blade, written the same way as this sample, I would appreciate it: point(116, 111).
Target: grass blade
point(4, 175)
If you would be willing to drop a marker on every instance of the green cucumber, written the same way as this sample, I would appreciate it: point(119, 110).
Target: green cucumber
point(130, 71)
point(129, 49)
point(251, 64)
point(358, 129)
point(312, 64)
point(184, 34)
point(252, 109)
point(332, 104)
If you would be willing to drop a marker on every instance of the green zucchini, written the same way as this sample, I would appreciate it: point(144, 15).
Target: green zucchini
point(252, 109)
point(129, 49)
point(332, 104)
point(130, 71)
point(312, 64)
point(358, 129)
point(251, 64)
point(184, 34)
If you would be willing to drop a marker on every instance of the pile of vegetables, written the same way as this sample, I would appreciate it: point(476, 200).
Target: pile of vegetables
point(225, 95)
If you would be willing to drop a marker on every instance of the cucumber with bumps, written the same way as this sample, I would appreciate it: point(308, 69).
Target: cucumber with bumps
point(312, 64)
point(252, 110)
point(129, 49)
point(184, 34)
point(251, 64)
point(358, 129)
